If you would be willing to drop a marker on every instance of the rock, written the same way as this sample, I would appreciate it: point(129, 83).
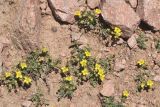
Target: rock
point(149, 12)
point(132, 42)
point(26, 104)
point(27, 24)
point(93, 3)
point(119, 64)
point(120, 41)
point(64, 10)
point(108, 88)
point(114, 14)
point(75, 36)
point(157, 78)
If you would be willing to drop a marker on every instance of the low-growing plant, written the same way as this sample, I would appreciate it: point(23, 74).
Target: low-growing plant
point(87, 68)
point(38, 64)
point(38, 99)
point(125, 95)
point(143, 81)
point(84, 68)
point(90, 20)
point(141, 41)
point(117, 32)
point(13, 80)
point(142, 64)
point(68, 86)
point(109, 102)
point(87, 20)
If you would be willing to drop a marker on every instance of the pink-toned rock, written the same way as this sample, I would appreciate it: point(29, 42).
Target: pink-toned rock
point(93, 3)
point(113, 12)
point(132, 42)
point(27, 24)
point(64, 10)
point(149, 12)
point(108, 88)
point(120, 64)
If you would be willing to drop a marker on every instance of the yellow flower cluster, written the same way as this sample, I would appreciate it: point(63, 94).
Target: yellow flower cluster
point(77, 13)
point(141, 62)
point(83, 63)
point(100, 71)
point(64, 69)
point(41, 59)
point(96, 11)
point(23, 66)
point(8, 74)
point(69, 78)
point(85, 72)
point(87, 53)
point(125, 94)
point(44, 50)
point(117, 32)
point(148, 84)
point(18, 75)
point(27, 80)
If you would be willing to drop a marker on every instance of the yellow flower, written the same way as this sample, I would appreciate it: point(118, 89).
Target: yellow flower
point(27, 80)
point(142, 85)
point(85, 72)
point(44, 50)
point(23, 65)
point(117, 35)
point(83, 63)
point(150, 83)
point(69, 78)
point(87, 53)
point(18, 74)
point(7, 74)
point(117, 32)
point(98, 11)
point(41, 59)
point(141, 62)
point(125, 93)
point(102, 77)
point(97, 67)
point(100, 72)
point(64, 69)
point(77, 13)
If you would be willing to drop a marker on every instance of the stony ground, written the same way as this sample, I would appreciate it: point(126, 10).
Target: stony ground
point(21, 32)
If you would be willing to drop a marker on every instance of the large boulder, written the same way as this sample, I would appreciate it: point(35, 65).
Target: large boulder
point(119, 13)
point(64, 10)
point(27, 24)
point(149, 12)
